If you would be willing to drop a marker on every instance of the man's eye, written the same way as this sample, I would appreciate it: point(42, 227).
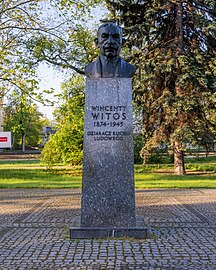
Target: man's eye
point(115, 35)
point(104, 36)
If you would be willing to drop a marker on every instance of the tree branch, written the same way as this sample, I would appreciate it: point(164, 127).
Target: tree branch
point(16, 6)
point(23, 90)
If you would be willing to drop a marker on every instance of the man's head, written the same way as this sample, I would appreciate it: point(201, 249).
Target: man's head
point(109, 39)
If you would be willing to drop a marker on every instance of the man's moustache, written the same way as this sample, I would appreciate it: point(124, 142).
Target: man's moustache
point(111, 47)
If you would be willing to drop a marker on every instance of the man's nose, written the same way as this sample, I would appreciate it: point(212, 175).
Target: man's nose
point(110, 39)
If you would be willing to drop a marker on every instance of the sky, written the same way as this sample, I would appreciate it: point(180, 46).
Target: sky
point(49, 78)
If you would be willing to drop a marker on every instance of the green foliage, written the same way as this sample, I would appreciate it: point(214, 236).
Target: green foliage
point(18, 21)
point(159, 157)
point(69, 45)
point(201, 167)
point(35, 31)
point(138, 145)
point(23, 119)
point(200, 159)
point(55, 32)
point(172, 44)
point(167, 168)
point(152, 168)
point(65, 146)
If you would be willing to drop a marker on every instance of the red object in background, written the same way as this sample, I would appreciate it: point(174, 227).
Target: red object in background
point(3, 139)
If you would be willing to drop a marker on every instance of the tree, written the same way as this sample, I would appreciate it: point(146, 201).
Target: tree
point(17, 22)
point(23, 119)
point(72, 47)
point(172, 43)
point(65, 146)
point(35, 31)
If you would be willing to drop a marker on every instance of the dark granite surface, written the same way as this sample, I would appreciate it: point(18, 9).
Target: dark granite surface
point(108, 177)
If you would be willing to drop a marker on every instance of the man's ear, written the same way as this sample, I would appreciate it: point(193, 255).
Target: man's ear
point(96, 41)
point(123, 41)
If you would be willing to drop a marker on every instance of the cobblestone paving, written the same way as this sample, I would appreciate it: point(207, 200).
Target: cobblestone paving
point(34, 232)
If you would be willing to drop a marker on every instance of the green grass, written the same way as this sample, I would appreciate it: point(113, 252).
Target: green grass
point(40, 178)
point(20, 163)
point(33, 174)
point(201, 167)
point(199, 159)
point(145, 180)
point(36, 178)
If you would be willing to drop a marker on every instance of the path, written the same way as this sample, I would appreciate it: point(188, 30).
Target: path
point(34, 232)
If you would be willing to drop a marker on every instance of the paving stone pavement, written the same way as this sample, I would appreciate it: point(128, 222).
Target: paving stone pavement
point(34, 232)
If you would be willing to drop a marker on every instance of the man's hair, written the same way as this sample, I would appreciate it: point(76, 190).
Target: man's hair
point(109, 23)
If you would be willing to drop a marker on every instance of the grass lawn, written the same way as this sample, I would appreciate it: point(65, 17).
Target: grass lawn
point(152, 180)
point(32, 174)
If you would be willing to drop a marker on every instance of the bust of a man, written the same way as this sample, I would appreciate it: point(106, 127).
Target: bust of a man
point(109, 64)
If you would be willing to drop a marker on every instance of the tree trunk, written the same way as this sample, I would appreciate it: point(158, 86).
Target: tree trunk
point(144, 159)
point(23, 142)
point(179, 26)
point(24, 134)
point(178, 153)
point(179, 159)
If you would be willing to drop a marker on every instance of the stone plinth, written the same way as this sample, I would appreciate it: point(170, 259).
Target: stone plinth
point(108, 176)
point(78, 232)
point(108, 199)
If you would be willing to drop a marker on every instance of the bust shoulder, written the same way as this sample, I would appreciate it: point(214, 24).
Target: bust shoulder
point(123, 69)
point(126, 69)
point(89, 68)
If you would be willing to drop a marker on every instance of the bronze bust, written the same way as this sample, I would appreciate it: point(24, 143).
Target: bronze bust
point(109, 64)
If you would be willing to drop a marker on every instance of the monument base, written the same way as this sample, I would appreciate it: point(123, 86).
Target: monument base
point(139, 231)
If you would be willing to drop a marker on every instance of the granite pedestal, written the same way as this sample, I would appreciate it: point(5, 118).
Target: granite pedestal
point(108, 198)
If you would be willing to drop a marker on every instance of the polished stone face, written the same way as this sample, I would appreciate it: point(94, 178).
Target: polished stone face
point(108, 179)
point(109, 40)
